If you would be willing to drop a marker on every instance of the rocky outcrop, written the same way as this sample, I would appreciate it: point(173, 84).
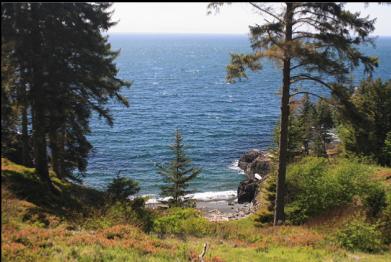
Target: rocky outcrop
point(247, 190)
point(261, 166)
point(248, 158)
point(254, 162)
point(256, 165)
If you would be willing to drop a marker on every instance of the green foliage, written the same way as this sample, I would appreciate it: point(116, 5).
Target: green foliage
point(375, 200)
point(358, 235)
point(385, 219)
point(181, 221)
point(120, 188)
point(324, 54)
point(64, 70)
point(366, 121)
point(266, 199)
point(8, 101)
point(387, 146)
point(307, 128)
point(120, 213)
point(177, 175)
point(314, 186)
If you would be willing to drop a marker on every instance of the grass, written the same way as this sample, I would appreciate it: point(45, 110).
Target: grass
point(39, 226)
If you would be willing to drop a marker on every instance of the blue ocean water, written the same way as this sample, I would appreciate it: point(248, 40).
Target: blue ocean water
point(179, 82)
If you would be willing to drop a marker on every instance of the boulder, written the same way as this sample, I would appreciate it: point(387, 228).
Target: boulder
point(247, 190)
point(260, 165)
point(248, 158)
point(254, 162)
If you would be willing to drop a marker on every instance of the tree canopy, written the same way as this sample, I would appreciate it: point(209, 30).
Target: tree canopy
point(309, 42)
point(65, 71)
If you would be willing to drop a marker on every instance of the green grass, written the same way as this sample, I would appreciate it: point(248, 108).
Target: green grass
point(75, 226)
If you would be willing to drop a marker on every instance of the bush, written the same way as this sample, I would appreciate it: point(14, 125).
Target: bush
point(121, 188)
point(132, 212)
point(385, 219)
point(310, 190)
point(266, 198)
point(361, 236)
point(314, 186)
point(375, 201)
point(181, 221)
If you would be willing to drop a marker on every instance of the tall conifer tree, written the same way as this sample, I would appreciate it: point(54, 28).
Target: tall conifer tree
point(311, 42)
point(68, 66)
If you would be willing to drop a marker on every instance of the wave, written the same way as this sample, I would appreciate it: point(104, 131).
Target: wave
point(201, 196)
point(234, 166)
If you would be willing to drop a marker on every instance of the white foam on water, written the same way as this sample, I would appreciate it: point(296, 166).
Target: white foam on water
point(234, 166)
point(213, 196)
point(202, 196)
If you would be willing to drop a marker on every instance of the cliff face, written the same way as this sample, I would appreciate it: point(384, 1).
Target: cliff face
point(254, 162)
point(256, 165)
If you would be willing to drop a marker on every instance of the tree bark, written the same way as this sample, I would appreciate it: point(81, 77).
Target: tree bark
point(25, 136)
point(55, 152)
point(279, 216)
point(38, 102)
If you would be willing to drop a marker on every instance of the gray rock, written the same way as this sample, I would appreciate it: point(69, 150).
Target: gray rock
point(254, 162)
point(260, 165)
point(248, 158)
point(247, 190)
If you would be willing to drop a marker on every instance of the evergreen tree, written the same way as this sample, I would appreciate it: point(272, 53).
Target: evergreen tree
point(306, 122)
point(366, 132)
point(120, 188)
point(177, 174)
point(323, 122)
point(311, 42)
point(68, 67)
point(8, 102)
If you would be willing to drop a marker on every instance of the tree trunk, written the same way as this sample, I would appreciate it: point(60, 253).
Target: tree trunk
point(25, 136)
point(279, 216)
point(53, 138)
point(38, 102)
point(56, 138)
point(39, 142)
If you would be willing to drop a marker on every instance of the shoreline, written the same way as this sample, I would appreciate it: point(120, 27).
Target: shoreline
point(224, 210)
point(216, 210)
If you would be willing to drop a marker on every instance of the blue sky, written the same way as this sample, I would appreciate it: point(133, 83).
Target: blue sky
point(233, 19)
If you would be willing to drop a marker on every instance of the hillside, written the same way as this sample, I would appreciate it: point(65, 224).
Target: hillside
point(72, 226)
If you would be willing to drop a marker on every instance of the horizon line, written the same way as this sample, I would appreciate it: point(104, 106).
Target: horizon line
point(198, 33)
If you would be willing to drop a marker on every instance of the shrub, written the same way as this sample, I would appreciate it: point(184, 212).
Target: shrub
point(121, 188)
point(359, 235)
point(181, 221)
point(131, 212)
point(314, 185)
point(310, 191)
point(266, 199)
point(385, 219)
point(375, 201)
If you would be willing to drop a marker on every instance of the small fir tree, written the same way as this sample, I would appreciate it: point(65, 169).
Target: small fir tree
point(120, 188)
point(177, 175)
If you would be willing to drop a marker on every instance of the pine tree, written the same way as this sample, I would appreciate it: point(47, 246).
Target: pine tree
point(68, 67)
point(177, 174)
point(311, 42)
point(367, 134)
point(8, 101)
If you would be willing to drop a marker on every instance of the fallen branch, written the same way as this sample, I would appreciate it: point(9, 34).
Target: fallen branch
point(201, 256)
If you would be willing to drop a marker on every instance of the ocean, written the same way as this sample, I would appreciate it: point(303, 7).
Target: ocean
point(179, 82)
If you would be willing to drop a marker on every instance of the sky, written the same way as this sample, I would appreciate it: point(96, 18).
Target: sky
point(232, 19)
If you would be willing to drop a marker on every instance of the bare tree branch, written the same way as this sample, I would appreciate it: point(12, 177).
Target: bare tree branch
point(303, 77)
point(266, 11)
